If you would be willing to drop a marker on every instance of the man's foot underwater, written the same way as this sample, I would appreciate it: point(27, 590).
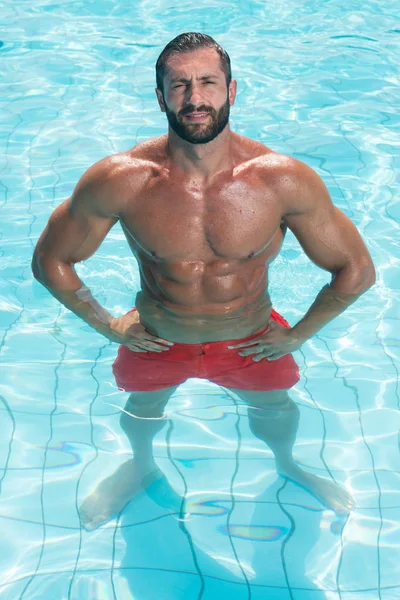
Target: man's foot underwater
point(329, 493)
point(112, 494)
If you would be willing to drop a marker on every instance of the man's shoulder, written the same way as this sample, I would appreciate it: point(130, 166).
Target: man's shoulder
point(151, 151)
point(258, 157)
point(296, 185)
point(281, 170)
point(292, 181)
point(143, 159)
point(118, 178)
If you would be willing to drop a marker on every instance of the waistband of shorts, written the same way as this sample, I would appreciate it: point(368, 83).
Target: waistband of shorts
point(219, 343)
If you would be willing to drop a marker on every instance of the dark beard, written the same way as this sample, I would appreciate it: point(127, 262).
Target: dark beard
point(200, 134)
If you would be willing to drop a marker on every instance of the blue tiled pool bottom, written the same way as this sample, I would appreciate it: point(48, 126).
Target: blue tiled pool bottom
point(315, 81)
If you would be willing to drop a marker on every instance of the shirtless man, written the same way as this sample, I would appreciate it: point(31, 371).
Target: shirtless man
point(204, 211)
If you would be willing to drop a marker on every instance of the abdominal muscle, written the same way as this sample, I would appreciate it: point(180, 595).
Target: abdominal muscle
point(200, 322)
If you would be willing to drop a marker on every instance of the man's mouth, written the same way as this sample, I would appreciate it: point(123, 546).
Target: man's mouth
point(196, 116)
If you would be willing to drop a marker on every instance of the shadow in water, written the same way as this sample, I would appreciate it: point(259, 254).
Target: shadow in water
point(162, 552)
point(169, 542)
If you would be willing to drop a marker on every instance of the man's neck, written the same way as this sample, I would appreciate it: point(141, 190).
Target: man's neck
point(201, 160)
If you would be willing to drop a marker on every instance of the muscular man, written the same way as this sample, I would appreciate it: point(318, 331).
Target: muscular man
point(204, 211)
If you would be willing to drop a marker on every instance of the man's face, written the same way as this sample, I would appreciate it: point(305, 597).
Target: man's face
point(196, 98)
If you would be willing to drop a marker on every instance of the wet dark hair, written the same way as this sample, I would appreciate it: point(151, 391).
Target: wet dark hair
point(188, 42)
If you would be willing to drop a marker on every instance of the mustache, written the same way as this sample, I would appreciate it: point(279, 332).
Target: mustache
point(191, 108)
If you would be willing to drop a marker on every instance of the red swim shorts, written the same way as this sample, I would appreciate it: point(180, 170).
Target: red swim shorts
point(149, 371)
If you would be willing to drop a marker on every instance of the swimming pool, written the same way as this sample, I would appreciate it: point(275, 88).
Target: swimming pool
point(317, 80)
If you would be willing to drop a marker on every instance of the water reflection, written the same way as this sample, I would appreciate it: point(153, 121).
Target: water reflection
point(273, 418)
point(168, 548)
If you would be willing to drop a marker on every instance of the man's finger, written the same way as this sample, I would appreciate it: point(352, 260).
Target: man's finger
point(269, 355)
point(146, 336)
point(140, 333)
point(146, 347)
point(244, 344)
point(155, 347)
point(253, 350)
point(276, 356)
point(259, 357)
point(160, 340)
point(148, 342)
point(135, 349)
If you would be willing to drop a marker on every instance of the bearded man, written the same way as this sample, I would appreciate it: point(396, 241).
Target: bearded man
point(204, 212)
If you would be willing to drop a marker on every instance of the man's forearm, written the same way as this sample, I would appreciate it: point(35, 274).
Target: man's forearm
point(84, 305)
point(329, 303)
point(64, 284)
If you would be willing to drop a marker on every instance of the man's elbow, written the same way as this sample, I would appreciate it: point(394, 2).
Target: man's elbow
point(42, 267)
point(356, 277)
point(35, 265)
point(366, 276)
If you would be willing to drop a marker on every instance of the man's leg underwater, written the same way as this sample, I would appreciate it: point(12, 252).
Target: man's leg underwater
point(274, 419)
point(142, 418)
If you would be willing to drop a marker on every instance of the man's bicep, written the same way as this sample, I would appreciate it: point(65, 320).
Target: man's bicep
point(328, 237)
point(74, 232)
point(326, 234)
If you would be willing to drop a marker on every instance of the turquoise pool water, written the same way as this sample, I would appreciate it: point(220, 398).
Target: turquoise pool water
point(318, 80)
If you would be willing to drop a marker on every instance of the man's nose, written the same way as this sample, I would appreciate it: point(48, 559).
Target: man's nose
point(193, 95)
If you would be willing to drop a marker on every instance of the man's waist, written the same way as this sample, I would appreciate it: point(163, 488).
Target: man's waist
point(198, 327)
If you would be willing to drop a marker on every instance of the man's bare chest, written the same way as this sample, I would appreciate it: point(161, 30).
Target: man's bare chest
point(191, 222)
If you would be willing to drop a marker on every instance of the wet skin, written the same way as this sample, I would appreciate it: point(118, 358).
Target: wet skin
point(204, 222)
point(204, 258)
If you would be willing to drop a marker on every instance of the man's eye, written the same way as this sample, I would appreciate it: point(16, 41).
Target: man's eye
point(210, 82)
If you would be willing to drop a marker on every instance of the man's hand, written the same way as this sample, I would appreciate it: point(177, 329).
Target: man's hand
point(128, 331)
point(273, 344)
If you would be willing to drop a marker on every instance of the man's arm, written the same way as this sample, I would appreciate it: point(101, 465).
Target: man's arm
point(75, 230)
point(331, 241)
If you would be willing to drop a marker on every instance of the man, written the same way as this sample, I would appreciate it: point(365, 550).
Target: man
point(205, 212)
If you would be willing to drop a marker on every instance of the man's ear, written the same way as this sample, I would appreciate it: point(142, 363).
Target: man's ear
point(160, 99)
point(232, 92)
